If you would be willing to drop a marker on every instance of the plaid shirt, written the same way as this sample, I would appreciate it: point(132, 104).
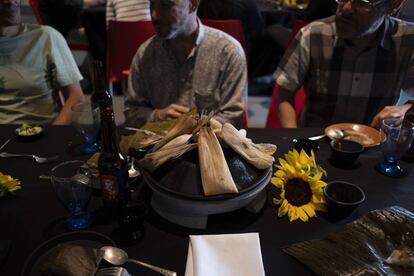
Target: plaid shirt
point(343, 84)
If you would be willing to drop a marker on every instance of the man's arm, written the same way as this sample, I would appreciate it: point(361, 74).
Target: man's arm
point(286, 108)
point(73, 95)
point(290, 75)
point(110, 13)
point(390, 112)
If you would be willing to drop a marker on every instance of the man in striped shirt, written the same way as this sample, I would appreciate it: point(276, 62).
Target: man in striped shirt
point(354, 66)
point(127, 10)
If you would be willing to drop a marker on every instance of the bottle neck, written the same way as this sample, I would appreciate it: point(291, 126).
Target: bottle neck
point(109, 132)
point(98, 78)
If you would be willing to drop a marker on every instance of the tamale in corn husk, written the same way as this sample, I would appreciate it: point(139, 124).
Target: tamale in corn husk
point(184, 126)
point(163, 127)
point(140, 139)
point(269, 149)
point(153, 160)
point(215, 125)
point(258, 156)
point(177, 141)
point(215, 173)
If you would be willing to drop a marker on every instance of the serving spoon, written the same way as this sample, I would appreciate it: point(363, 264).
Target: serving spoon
point(333, 133)
point(117, 256)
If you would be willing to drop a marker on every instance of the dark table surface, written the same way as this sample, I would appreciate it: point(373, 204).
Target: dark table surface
point(34, 214)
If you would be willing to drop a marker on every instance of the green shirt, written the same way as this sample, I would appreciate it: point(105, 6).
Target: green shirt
point(34, 64)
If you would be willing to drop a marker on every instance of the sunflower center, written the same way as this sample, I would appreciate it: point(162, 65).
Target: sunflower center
point(298, 192)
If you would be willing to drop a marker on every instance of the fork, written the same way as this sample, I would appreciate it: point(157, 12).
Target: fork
point(112, 271)
point(38, 159)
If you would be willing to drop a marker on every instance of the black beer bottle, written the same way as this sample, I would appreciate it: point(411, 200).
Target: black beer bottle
point(409, 156)
point(113, 166)
point(100, 98)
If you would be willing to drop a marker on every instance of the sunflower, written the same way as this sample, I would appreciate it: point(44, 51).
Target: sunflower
point(8, 184)
point(299, 179)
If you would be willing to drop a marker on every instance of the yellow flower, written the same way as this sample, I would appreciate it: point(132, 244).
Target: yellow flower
point(299, 179)
point(303, 162)
point(8, 183)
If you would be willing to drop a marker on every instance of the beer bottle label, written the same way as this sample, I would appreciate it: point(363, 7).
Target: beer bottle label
point(109, 187)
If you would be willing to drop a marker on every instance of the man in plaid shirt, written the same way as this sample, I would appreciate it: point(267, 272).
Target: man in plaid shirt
point(354, 66)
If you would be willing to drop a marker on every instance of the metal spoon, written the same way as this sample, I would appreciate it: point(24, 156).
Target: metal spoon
point(132, 172)
point(333, 133)
point(117, 256)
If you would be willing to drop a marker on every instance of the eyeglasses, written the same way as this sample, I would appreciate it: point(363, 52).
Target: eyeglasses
point(364, 5)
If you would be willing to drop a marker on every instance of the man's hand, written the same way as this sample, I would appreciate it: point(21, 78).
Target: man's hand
point(170, 112)
point(389, 112)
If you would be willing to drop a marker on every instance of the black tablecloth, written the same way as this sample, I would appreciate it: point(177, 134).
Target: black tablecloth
point(34, 214)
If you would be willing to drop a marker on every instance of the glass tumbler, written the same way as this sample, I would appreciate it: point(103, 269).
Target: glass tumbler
point(72, 185)
point(87, 122)
point(396, 135)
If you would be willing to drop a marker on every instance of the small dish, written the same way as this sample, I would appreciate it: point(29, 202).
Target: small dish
point(342, 198)
point(345, 153)
point(29, 133)
point(305, 144)
point(363, 130)
point(85, 238)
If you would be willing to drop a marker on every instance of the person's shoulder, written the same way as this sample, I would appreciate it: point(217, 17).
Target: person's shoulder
point(401, 27)
point(325, 26)
point(218, 39)
point(42, 30)
point(148, 49)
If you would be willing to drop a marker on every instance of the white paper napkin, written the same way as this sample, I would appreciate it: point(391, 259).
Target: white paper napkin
point(225, 255)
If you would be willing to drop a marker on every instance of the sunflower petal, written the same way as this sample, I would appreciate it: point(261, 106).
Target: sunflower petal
point(283, 209)
point(302, 214)
point(308, 208)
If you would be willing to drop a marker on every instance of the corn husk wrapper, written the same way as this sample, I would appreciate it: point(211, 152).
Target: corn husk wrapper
point(215, 173)
point(215, 125)
point(184, 126)
point(269, 149)
point(178, 141)
point(153, 160)
point(140, 139)
point(163, 127)
point(256, 155)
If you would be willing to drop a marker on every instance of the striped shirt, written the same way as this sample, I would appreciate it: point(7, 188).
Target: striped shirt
point(127, 10)
point(214, 77)
point(343, 84)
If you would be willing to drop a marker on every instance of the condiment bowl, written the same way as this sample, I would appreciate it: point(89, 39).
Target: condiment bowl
point(344, 152)
point(342, 198)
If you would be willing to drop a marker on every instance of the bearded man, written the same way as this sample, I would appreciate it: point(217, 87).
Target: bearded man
point(354, 66)
point(185, 65)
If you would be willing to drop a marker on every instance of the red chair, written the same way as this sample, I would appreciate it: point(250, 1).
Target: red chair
point(273, 120)
point(35, 7)
point(234, 28)
point(124, 39)
point(72, 45)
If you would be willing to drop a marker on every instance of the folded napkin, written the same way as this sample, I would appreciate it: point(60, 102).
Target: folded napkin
point(224, 255)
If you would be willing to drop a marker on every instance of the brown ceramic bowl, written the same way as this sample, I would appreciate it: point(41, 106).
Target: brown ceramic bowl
point(367, 130)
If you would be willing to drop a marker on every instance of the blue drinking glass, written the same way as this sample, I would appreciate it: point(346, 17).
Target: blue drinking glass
point(87, 121)
point(396, 135)
point(72, 184)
